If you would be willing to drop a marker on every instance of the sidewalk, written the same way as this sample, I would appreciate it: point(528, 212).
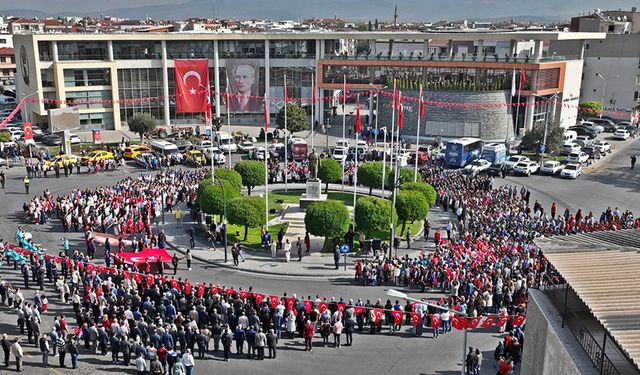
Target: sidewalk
point(313, 265)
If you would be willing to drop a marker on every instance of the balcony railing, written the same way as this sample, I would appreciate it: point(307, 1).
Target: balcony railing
point(464, 57)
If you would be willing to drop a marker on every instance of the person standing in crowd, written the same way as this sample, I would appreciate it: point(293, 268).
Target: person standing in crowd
point(287, 250)
point(62, 349)
point(226, 340)
point(309, 330)
point(16, 350)
point(178, 218)
point(6, 348)
point(299, 248)
point(141, 364)
point(189, 258)
point(188, 361)
point(272, 343)
point(45, 349)
point(274, 248)
point(260, 343)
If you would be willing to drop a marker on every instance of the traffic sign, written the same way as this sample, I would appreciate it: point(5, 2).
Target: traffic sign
point(344, 248)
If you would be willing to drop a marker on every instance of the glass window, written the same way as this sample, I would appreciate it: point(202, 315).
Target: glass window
point(44, 51)
point(189, 49)
point(127, 50)
point(87, 77)
point(98, 77)
point(243, 49)
point(140, 83)
point(292, 49)
point(96, 120)
point(82, 51)
point(89, 99)
point(46, 76)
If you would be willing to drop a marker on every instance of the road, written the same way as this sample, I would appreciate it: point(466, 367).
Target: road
point(611, 183)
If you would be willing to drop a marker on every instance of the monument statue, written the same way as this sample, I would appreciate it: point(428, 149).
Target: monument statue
point(313, 164)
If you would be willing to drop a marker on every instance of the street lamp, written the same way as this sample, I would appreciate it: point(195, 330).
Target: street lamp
point(397, 184)
point(224, 214)
point(604, 89)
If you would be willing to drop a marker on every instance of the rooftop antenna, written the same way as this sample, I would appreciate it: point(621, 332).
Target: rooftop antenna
point(213, 9)
point(395, 16)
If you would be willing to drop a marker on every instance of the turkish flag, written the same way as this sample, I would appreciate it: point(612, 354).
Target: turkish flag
point(274, 301)
point(137, 277)
point(28, 131)
point(192, 85)
point(215, 290)
point(502, 321)
point(290, 303)
point(322, 306)
point(395, 95)
point(473, 322)
point(359, 310)
point(377, 315)
point(230, 292)
point(435, 320)
point(90, 267)
point(518, 321)
point(307, 305)
point(102, 269)
point(126, 275)
point(266, 113)
point(200, 288)
point(187, 287)
point(397, 316)
point(244, 294)
point(341, 307)
point(259, 298)
point(421, 102)
point(458, 323)
point(488, 322)
point(149, 280)
point(174, 284)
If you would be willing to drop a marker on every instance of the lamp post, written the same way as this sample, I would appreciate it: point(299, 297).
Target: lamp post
point(604, 89)
point(392, 235)
point(224, 214)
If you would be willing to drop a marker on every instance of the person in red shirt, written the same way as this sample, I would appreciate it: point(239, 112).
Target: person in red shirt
point(309, 330)
point(162, 356)
point(436, 237)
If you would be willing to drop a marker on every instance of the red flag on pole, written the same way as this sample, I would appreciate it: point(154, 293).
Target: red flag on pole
point(400, 115)
point(344, 88)
point(358, 122)
point(227, 95)
point(523, 77)
point(313, 92)
point(192, 85)
point(395, 95)
point(266, 114)
point(421, 102)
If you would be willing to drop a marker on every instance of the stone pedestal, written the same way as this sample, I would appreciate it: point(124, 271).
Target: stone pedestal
point(313, 194)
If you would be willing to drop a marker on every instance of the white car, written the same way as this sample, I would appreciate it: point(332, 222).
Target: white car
point(339, 154)
point(577, 157)
point(343, 144)
point(259, 153)
point(621, 134)
point(477, 166)
point(602, 146)
point(74, 139)
point(216, 153)
point(526, 168)
point(571, 171)
point(16, 134)
point(569, 148)
point(203, 145)
point(551, 167)
point(246, 146)
point(513, 160)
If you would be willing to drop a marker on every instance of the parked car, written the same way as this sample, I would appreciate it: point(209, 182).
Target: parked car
point(477, 166)
point(621, 134)
point(608, 125)
point(590, 125)
point(52, 140)
point(628, 126)
point(602, 146)
point(592, 151)
point(246, 146)
point(194, 157)
point(577, 157)
point(145, 159)
point(259, 153)
point(582, 141)
point(182, 144)
point(526, 168)
point(339, 154)
point(568, 148)
point(421, 155)
point(96, 156)
point(513, 160)
point(60, 161)
point(581, 130)
point(217, 155)
point(571, 171)
point(74, 139)
point(551, 167)
point(495, 169)
point(132, 151)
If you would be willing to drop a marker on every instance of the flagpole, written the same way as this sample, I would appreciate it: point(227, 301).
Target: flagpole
point(286, 145)
point(228, 124)
point(395, 175)
point(313, 106)
point(393, 126)
point(355, 170)
point(266, 167)
point(384, 159)
point(518, 104)
point(415, 172)
point(344, 125)
point(210, 151)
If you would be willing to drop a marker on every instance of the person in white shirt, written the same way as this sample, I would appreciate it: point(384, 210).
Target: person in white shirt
point(141, 365)
point(446, 326)
point(287, 250)
point(188, 361)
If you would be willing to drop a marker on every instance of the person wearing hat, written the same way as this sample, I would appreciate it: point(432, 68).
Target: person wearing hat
point(17, 352)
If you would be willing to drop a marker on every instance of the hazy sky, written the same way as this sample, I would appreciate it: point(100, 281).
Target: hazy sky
point(409, 9)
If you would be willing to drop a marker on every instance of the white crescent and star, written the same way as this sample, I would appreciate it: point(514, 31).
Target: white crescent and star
point(193, 73)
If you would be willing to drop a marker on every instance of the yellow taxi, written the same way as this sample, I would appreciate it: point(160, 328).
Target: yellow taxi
point(194, 157)
point(132, 151)
point(97, 156)
point(60, 161)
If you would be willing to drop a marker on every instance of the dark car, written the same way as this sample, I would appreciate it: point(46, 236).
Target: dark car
point(581, 130)
point(495, 169)
point(592, 151)
point(52, 140)
point(608, 125)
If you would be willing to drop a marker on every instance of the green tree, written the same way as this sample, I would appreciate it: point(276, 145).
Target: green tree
point(370, 175)
point(329, 170)
point(228, 175)
point(411, 206)
point(327, 219)
point(535, 137)
point(589, 109)
point(406, 174)
point(252, 173)
point(6, 137)
point(297, 119)
point(142, 123)
point(211, 198)
point(427, 190)
point(246, 211)
point(373, 214)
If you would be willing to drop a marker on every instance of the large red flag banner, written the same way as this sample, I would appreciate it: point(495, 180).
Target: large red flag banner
point(192, 85)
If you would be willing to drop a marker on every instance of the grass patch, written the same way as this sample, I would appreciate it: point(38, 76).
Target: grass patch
point(253, 235)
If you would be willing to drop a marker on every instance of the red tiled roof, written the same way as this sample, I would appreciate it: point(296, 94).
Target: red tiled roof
point(7, 51)
point(53, 23)
point(24, 20)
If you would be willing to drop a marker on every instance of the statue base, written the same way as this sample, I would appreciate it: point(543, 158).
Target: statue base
point(313, 194)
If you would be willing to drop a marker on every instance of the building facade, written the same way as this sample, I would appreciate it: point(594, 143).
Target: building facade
point(611, 66)
point(110, 70)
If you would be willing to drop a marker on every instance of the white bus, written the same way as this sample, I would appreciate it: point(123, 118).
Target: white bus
point(167, 149)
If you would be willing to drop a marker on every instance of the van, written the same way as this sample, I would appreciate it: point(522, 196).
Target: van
point(167, 149)
point(494, 152)
point(570, 136)
point(225, 142)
